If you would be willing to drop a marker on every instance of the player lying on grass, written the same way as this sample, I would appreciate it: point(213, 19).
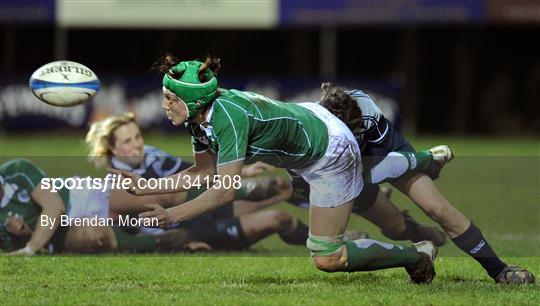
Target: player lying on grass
point(232, 127)
point(25, 203)
point(117, 142)
point(378, 138)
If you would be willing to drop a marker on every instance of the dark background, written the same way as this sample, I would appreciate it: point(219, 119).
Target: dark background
point(461, 78)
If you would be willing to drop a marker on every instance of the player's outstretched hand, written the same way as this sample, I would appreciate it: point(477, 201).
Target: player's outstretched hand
point(136, 181)
point(164, 216)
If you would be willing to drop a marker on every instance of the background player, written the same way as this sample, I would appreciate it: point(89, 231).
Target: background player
point(25, 203)
point(117, 142)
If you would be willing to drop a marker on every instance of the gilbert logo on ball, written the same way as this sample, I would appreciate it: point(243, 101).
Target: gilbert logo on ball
point(64, 83)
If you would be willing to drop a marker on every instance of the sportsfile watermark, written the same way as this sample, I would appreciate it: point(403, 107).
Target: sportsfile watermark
point(114, 181)
point(499, 193)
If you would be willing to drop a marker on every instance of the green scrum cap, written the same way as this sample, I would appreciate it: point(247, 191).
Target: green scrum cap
point(189, 88)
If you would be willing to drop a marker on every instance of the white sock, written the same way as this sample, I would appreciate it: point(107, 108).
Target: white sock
point(392, 166)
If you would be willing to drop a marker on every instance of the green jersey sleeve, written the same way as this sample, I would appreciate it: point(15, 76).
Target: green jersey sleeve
point(26, 174)
point(231, 130)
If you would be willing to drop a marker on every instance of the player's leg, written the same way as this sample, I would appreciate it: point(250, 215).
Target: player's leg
point(90, 239)
point(399, 163)
point(239, 233)
point(376, 207)
point(260, 193)
point(98, 239)
point(121, 202)
point(261, 224)
point(331, 253)
point(421, 189)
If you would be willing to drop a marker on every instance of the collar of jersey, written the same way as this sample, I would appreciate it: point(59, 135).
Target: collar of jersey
point(210, 112)
point(118, 164)
point(9, 191)
point(206, 126)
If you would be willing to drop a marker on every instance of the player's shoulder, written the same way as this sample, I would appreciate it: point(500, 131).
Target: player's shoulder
point(154, 151)
point(19, 165)
point(358, 93)
point(231, 99)
point(230, 106)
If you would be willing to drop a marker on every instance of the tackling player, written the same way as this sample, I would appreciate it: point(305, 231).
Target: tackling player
point(378, 139)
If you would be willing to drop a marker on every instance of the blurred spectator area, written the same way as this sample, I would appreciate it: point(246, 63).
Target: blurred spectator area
point(473, 67)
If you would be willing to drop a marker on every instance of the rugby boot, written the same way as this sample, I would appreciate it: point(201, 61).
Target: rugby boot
point(423, 271)
point(514, 275)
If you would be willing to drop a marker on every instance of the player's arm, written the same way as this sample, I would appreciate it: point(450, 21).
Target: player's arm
point(203, 168)
point(220, 194)
point(52, 207)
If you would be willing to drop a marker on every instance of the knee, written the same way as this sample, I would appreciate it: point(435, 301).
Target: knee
point(332, 263)
point(87, 240)
point(282, 220)
point(328, 253)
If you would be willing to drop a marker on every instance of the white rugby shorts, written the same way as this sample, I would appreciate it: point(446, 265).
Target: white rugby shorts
point(337, 177)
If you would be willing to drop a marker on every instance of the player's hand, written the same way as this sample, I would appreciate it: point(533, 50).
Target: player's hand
point(256, 169)
point(164, 216)
point(26, 251)
point(16, 225)
point(285, 189)
point(136, 181)
point(197, 246)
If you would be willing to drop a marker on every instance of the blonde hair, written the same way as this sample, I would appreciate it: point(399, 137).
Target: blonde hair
point(100, 138)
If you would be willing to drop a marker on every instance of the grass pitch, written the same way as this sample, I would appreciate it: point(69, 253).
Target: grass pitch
point(496, 182)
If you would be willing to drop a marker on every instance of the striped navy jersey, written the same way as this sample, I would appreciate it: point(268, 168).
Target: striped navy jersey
point(156, 164)
point(375, 125)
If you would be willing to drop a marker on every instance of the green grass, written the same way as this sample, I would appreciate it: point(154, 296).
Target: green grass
point(495, 181)
point(151, 280)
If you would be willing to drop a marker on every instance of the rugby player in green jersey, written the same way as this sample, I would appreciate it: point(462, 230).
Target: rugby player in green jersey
point(30, 215)
point(231, 128)
point(23, 199)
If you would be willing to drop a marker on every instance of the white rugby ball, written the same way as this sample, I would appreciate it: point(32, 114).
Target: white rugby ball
point(64, 83)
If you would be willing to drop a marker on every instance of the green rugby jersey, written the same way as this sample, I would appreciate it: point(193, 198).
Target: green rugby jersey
point(20, 178)
point(250, 127)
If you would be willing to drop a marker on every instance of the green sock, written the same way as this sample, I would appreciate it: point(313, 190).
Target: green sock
point(419, 161)
point(134, 244)
point(368, 255)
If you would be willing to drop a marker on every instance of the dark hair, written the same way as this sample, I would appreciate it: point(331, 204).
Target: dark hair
point(342, 105)
point(164, 65)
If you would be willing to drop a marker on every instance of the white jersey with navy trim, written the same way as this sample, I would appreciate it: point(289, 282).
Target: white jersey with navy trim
point(376, 127)
point(156, 164)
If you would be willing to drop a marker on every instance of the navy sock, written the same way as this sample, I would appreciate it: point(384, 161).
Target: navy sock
point(475, 244)
point(298, 236)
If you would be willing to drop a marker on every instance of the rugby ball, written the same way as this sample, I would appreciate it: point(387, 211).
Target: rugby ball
point(64, 83)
